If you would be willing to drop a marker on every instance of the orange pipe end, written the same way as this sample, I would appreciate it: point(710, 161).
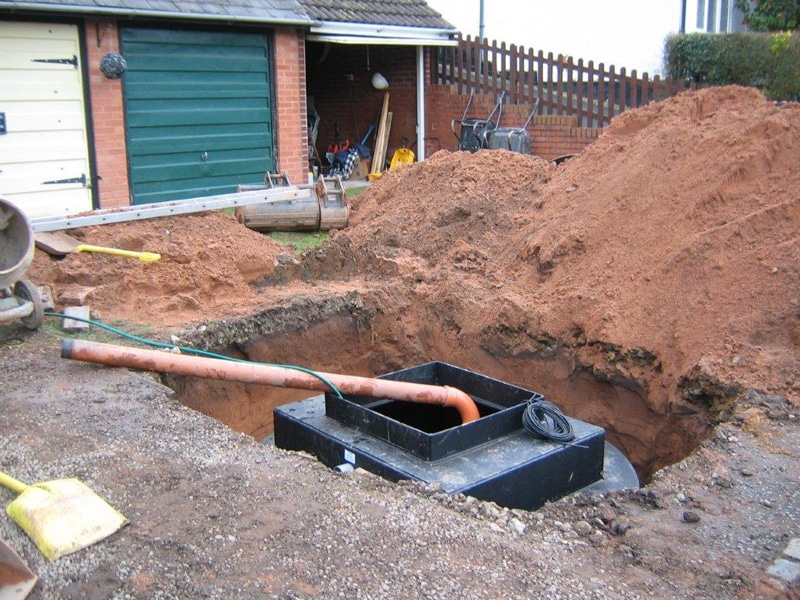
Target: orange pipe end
point(463, 403)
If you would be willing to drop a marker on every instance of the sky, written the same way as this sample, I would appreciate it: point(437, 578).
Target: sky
point(623, 33)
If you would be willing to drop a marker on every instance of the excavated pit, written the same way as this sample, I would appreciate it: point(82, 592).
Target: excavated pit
point(647, 286)
point(337, 335)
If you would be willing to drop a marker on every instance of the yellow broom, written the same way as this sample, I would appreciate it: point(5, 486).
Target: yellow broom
point(61, 516)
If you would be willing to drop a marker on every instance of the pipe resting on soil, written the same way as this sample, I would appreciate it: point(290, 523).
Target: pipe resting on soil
point(212, 368)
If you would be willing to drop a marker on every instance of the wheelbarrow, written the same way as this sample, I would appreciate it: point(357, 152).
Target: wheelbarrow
point(473, 134)
point(513, 139)
point(19, 298)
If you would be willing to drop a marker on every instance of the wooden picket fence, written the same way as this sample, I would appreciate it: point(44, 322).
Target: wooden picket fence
point(593, 94)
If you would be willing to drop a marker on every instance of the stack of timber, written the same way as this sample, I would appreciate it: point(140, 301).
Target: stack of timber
point(382, 140)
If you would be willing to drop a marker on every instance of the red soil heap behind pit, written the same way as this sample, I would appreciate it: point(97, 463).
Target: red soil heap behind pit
point(676, 233)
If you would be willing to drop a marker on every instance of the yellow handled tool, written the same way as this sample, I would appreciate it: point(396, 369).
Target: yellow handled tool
point(61, 516)
point(143, 256)
point(59, 243)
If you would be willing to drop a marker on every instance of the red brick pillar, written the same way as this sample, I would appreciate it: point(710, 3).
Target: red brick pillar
point(290, 104)
point(102, 36)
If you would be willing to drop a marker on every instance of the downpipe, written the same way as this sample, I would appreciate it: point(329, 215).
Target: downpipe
point(273, 375)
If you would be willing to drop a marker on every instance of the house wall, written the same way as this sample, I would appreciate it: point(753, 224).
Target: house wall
point(290, 104)
point(350, 102)
point(107, 114)
point(111, 164)
point(551, 136)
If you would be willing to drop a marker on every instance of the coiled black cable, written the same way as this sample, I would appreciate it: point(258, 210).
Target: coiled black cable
point(547, 420)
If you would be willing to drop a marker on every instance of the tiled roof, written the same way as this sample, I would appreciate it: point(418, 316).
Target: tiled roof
point(402, 13)
point(266, 11)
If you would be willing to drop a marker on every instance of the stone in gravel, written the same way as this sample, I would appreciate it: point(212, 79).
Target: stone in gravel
point(563, 527)
point(606, 513)
point(793, 549)
point(597, 538)
point(582, 528)
point(690, 516)
point(518, 526)
point(620, 526)
point(787, 570)
point(724, 482)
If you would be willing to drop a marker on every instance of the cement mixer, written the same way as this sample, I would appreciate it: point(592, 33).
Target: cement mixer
point(19, 298)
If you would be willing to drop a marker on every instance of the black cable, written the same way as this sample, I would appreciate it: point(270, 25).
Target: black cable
point(547, 420)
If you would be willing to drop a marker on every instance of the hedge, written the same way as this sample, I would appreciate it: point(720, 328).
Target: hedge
point(768, 61)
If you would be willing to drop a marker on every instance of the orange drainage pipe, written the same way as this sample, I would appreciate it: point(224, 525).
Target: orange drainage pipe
point(217, 368)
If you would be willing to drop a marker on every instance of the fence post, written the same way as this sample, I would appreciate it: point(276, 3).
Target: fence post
point(580, 92)
point(612, 93)
point(513, 73)
point(568, 91)
point(470, 58)
point(624, 91)
point(591, 95)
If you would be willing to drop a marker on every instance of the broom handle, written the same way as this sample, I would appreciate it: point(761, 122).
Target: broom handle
point(11, 483)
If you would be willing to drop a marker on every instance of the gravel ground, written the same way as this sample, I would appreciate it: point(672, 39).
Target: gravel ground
point(214, 514)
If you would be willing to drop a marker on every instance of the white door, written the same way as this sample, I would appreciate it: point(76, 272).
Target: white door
point(44, 159)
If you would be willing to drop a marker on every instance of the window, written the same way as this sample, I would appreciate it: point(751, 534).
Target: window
point(712, 12)
point(701, 14)
point(723, 16)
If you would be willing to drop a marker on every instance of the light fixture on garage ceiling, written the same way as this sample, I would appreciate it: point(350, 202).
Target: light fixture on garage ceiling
point(379, 82)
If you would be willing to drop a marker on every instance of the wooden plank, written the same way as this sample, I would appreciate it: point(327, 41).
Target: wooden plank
point(381, 132)
point(385, 143)
point(377, 167)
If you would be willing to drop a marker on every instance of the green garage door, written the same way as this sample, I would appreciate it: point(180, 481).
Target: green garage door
point(198, 112)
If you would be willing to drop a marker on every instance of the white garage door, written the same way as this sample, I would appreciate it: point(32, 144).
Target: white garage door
point(44, 164)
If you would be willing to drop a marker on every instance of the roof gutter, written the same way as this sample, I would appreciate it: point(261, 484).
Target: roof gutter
point(14, 5)
point(378, 41)
point(363, 33)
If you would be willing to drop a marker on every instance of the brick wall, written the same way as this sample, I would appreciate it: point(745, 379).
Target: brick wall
point(551, 136)
point(101, 37)
point(290, 105)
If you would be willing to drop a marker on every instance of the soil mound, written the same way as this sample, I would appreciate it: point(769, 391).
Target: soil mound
point(208, 265)
point(675, 232)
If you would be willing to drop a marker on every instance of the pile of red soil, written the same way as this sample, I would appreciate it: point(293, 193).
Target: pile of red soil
point(209, 262)
point(675, 233)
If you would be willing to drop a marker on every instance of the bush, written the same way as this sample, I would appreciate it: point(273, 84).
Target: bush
point(768, 61)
